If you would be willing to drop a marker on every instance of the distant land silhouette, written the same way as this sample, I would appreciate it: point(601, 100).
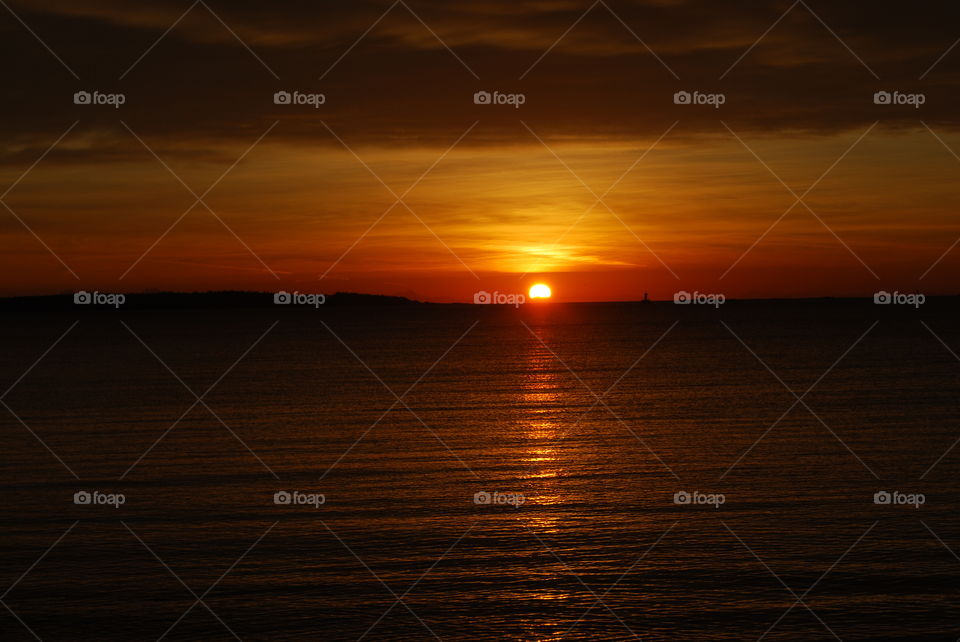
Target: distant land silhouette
point(246, 299)
point(214, 299)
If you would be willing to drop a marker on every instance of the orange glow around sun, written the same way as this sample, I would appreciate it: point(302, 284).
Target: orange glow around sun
point(540, 291)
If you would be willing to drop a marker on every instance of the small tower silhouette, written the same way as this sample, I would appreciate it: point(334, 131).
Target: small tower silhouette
point(645, 298)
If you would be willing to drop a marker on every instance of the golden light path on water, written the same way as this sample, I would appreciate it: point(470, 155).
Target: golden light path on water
point(541, 398)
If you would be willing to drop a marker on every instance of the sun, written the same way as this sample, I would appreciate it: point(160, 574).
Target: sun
point(540, 291)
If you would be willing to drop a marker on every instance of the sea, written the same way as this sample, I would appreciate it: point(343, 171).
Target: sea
point(780, 470)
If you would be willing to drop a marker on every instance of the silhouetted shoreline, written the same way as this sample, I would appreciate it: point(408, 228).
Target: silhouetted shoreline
point(245, 299)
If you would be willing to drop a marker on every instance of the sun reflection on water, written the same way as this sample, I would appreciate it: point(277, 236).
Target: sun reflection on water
point(542, 399)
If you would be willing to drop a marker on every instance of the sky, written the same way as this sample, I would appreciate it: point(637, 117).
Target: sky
point(799, 184)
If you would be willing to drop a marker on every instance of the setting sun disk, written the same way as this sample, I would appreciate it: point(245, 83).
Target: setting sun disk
point(540, 291)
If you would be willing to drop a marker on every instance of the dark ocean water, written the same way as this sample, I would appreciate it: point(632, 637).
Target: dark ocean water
point(598, 414)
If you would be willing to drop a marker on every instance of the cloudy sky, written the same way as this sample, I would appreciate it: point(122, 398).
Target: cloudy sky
point(798, 184)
